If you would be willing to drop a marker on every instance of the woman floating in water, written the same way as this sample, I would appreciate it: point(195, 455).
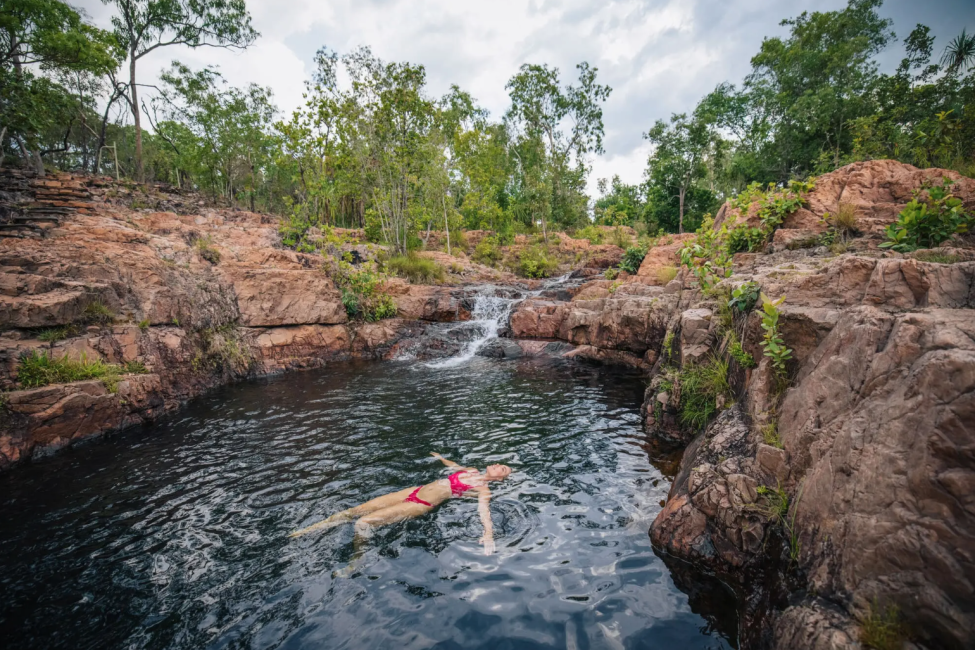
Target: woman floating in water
point(418, 501)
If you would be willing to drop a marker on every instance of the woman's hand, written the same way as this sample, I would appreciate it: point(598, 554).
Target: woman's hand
point(488, 542)
point(436, 455)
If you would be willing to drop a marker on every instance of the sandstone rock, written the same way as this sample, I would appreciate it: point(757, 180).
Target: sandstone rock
point(878, 428)
point(276, 297)
point(695, 336)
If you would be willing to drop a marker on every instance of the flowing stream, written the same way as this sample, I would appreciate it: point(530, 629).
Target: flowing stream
point(175, 536)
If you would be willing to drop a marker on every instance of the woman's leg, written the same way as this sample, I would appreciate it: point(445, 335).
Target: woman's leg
point(366, 508)
point(365, 527)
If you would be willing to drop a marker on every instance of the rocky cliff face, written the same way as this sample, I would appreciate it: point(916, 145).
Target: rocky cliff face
point(198, 299)
point(841, 492)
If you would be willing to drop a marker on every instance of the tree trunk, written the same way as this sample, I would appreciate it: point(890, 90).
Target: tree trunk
point(140, 174)
point(446, 224)
point(34, 154)
point(680, 223)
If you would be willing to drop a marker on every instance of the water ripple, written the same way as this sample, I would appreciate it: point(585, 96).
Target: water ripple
point(176, 536)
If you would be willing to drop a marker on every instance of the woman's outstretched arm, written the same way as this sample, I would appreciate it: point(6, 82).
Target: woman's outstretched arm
point(448, 463)
point(484, 510)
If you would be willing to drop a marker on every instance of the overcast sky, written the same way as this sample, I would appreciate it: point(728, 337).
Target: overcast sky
point(659, 56)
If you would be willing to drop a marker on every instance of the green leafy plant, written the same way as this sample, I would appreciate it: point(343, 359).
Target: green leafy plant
point(592, 233)
point(488, 251)
point(738, 353)
point(362, 292)
point(742, 238)
point(700, 387)
point(415, 268)
point(144, 324)
point(707, 257)
point(774, 346)
point(744, 297)
point(632, 259)
point(611, 273)
point(926, 222)
point(534, 262)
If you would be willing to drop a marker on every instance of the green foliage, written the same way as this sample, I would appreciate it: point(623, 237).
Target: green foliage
point(775, 503)
point(136, 368)
point(205, 249)
point(96, 313)
point(937, 257)
point(414, 268)
point(620, 238)
point(488, 251)
point(700, 386)
point(362, 292)
point(619, 204)
point(534, 262)
point(738, 353)
point(611, 273)
point(772, 343)
point(55, 334)
point(741, 238)
point(744, 296)
point(144, 324)
point(557, 126)
point(593, 234)
point(881, 628)
point(666, 274)
point(707, 257)
point(770, 434)
point(685, 150)
point(632, 259)
point(37, 369)
point(927, 222)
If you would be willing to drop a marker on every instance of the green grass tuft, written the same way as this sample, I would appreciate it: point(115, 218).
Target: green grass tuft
point(416, 269)
point(55, 334)
point(96, 313)
point(937, 257)
point(700, 386)
point(881, 628)
point(38, 369)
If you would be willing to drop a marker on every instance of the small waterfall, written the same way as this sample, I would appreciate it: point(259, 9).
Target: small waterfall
point(489, 314)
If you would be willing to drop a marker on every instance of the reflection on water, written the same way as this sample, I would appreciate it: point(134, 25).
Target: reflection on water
point(175, 536)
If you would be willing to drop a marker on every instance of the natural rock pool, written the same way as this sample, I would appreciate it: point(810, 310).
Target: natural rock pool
point(175, 536)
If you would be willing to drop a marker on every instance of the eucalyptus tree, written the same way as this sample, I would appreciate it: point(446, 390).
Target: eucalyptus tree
point(143, 26)
point(51, 35)
point(679, 160)
point(220, 135)
point(567, 123)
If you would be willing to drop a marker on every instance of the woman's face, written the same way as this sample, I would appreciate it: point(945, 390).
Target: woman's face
point(497, 472)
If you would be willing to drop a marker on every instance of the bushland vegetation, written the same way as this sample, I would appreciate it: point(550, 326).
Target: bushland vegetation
point(371, 148)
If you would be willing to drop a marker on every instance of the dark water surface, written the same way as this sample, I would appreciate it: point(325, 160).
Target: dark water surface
point(174, 536)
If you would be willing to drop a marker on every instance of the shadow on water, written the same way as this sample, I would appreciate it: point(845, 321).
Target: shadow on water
point(175, 536)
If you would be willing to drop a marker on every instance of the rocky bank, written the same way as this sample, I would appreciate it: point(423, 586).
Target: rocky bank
point(869, 438)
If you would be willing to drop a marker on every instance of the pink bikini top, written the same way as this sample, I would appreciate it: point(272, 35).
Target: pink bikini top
point(456, 486)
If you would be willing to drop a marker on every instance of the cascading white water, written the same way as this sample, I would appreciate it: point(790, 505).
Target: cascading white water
point(489, 314)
